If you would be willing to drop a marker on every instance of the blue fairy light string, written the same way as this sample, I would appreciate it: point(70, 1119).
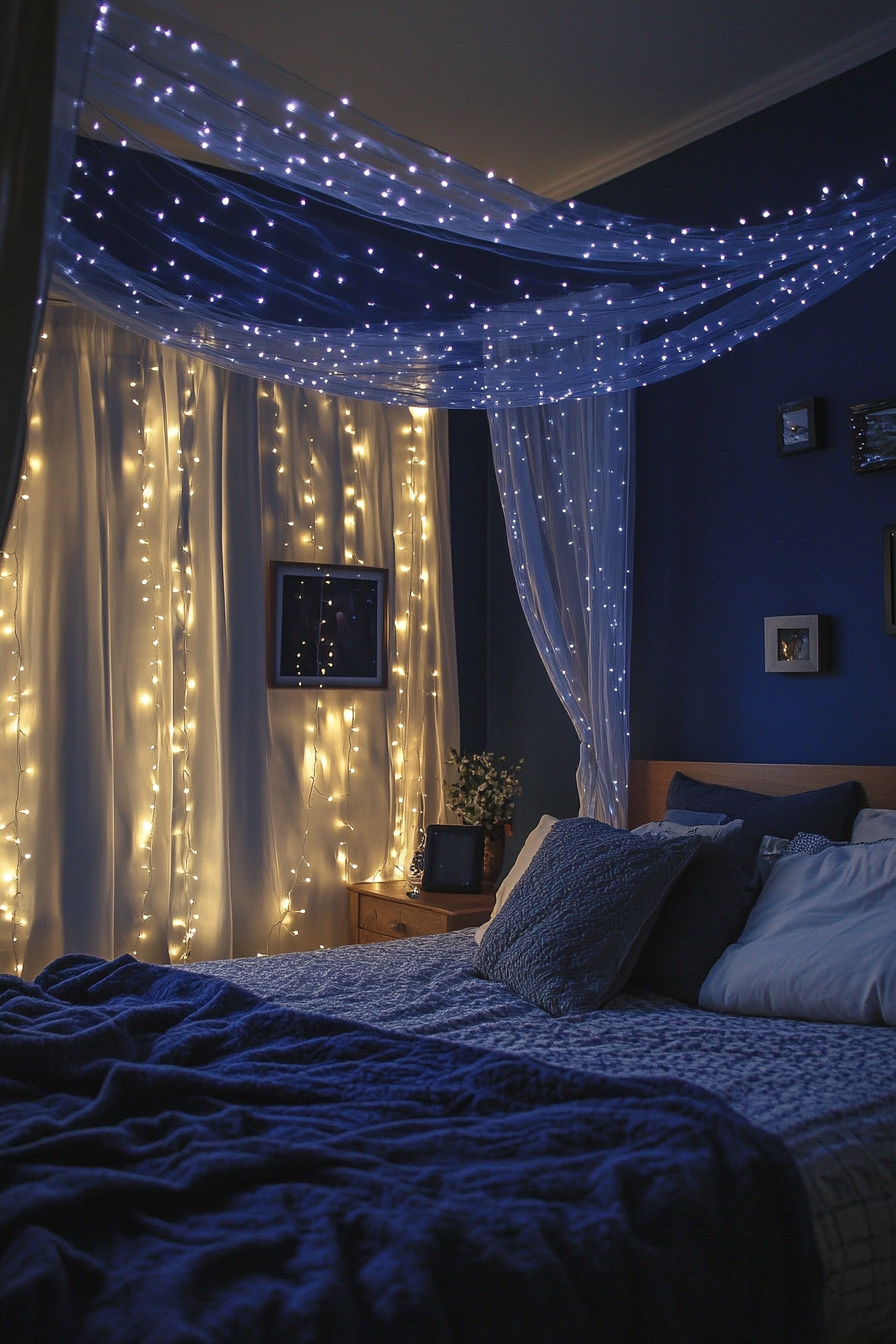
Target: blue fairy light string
point(226, 207)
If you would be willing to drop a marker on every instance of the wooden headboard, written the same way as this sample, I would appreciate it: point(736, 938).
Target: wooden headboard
point(649, 780)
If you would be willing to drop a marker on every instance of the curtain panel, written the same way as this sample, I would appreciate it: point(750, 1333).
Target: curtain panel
point(566, 478)
point(157, 797)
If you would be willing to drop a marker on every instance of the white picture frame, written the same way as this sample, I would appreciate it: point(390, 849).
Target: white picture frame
point(794, 644)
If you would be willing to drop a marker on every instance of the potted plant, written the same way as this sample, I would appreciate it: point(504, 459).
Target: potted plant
point(484, 794)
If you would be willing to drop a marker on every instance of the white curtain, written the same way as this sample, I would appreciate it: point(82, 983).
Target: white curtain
point(565, 474)
point(155, 796)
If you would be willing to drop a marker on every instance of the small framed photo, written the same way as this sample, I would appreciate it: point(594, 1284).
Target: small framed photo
point(328, 626)
point(873, 426)
point(795, 643)
point(890, 580)
point(800, 426)
point(453, 859)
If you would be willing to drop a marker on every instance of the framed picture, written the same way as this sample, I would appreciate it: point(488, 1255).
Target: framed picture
point(328, 626)
point(796, 643)
point(890, 580)
point(453, 859)
point(873, 435)
point(800, 426)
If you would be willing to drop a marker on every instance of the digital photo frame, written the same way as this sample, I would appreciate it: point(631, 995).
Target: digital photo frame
point(453, 859)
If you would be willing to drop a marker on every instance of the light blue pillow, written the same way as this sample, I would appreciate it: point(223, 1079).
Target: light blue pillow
point(666, 829)
point(820, 942)
point(874, 823)
point(580, 914)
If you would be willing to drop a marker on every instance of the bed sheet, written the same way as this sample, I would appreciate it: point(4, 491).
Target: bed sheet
point(829, 1091)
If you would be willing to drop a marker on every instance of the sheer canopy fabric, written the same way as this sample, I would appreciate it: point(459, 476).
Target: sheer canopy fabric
point(156, 796)
point(272, 227)
point(565, 474)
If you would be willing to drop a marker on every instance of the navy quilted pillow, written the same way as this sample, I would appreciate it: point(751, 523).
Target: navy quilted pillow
point(705, 912)
point(578, 918)
point(829, 812)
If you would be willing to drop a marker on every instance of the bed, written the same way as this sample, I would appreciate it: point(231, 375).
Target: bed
point(773, 1142)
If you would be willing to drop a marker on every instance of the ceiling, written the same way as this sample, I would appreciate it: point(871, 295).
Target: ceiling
point(559, 95)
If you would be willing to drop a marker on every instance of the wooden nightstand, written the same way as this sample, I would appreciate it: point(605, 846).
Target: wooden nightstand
point(381, 911)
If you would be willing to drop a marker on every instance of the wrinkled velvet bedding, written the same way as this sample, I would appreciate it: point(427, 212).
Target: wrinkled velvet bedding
point(184, 1162)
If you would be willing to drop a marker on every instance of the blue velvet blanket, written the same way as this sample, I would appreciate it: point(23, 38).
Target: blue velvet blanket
point(182, 1161)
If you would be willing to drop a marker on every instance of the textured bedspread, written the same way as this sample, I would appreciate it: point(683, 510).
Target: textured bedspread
point(183, 1162)
point(829, 1091)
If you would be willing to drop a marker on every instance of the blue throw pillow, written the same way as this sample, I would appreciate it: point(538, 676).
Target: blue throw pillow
point(578, 917)
point(705, 911)
point(681, 817)
point(806, 843)
point(829, 812)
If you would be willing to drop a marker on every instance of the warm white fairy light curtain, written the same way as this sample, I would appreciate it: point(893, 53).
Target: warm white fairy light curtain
point(156, 796)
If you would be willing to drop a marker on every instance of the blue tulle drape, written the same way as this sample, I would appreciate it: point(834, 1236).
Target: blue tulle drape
point(228, 208)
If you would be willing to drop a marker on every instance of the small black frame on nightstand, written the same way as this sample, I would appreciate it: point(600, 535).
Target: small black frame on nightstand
point(453, 859)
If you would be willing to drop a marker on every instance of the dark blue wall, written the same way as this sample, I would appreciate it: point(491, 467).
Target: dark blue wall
point(470, 467)
point(726, 532)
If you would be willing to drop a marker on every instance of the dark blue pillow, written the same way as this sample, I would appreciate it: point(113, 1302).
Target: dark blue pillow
point(829, 812)
point(705, 911)
point(571, 932)
point(683, 818)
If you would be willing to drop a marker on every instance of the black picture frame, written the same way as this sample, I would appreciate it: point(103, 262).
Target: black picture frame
point(800, 426)
point(328, 626)
point(873, 435)
point(890, 579)
point(453, 859)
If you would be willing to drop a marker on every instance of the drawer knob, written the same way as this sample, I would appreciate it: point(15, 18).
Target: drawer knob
point(396, 926)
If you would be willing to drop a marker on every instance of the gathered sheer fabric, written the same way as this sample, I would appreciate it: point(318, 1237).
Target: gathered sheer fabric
point(566, 478)
point(157, 797)
point(225, 207)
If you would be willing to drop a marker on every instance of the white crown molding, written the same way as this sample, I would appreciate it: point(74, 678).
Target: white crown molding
point(804, 74)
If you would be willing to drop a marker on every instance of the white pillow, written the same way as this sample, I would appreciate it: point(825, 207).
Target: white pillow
point(874, 823)
point(524, 858)
point(668, 829)
point(820, 943)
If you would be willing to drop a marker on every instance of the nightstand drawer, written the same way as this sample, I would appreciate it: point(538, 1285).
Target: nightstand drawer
point(383, 911)
point(393, 920)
